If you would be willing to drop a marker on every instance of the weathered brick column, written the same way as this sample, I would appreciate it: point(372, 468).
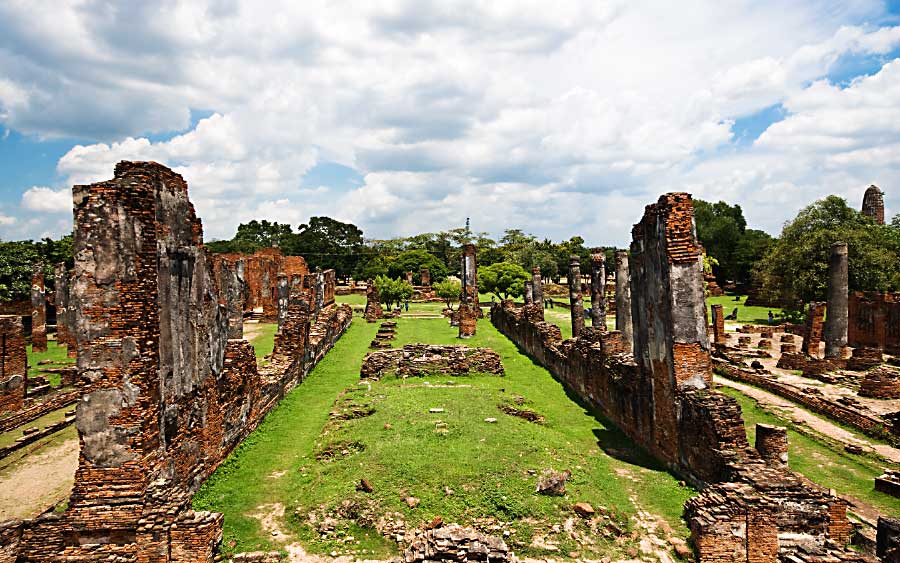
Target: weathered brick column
point(873, 204)
point(38, 310)
point(65, 316)
point(576, 307)
point(669, 304)
point(812, 335)
point(468, 300)
point(598, 288)
point(836, 322)
point(623, 300)
point(283, 294)
point(13, 363)
point(373, 304)
point(537, 294)
point(772, 444)
point(718, 324)
point(425, 277)
point(528, 293)
point(229, 274)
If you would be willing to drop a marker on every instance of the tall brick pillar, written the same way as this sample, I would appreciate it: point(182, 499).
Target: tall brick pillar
point(65, 328)
point(373, 303)
point(623, 300)
point(537, 293)
point(718, 324)
point(598, 288)
point(528, 293)
point(151, 339)
point(873, 204)
point(468, 299)
point(425, 277)
point(38, 310)
point(812, 334)
point(283, 294)
point(668, 310)
point(13, 364)
point(772, 443)
point(837, 321)
point(576, 307)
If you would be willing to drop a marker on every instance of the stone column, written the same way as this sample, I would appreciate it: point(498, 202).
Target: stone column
point(65, 334)
point(373, 303)
point(232, 294)
point(283, 294)
point(812, 335)
point(38, 310)
point(468, 299)
point(576, 308)
point(772, 444)
point(537, 294)
point(425, 277)
point(623, 299)
point(13, 364)
point(838, 295)
point(528, 293)
point(598, 288)
point(320, 290)
point(718, 324)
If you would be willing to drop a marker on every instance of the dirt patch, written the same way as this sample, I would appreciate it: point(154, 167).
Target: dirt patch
point(38, 481)
point(339, 450)
point(528, 415)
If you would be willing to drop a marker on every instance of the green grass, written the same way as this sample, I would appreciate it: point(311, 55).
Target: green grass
point(264, 341)
point(58, 357)
point(353, 299)
point(486, 465)
point(821, 462)
point(754, 315)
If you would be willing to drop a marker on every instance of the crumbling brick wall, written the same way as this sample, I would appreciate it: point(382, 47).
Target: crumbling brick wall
point(167, 395)
point(65, 315)
point(373, 303)
point(38, 310)
point(232, 290)
point(13, 364)
point(874, 321)
point(754, 510)
point(417, 360)
point(812, 335)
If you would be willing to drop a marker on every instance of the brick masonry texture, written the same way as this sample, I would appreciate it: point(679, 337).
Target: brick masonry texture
point(874, 321)
point(38, 310)
point(468, 312)
point(13, 364)
point(812, 335)
point(166, 395)
point(751, 510)
point(873, 204)
point(419, 360)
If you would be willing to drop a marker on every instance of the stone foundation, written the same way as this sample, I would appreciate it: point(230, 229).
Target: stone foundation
point(881, 383)
point(420, 360)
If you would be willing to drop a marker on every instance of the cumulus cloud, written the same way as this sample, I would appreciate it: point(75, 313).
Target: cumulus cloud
point(47, 200)
point(558, 121)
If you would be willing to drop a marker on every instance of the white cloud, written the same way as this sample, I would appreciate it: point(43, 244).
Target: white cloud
point(560, 121)
point(47, 200)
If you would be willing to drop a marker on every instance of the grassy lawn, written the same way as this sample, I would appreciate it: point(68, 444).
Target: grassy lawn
point(750, 315)
point(57, 354)
point(7, 438)
point(263, 341)
point(825, 464)
point(489, 469)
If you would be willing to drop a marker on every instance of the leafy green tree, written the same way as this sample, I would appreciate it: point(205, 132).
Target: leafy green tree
point(794, 269)
point(327, 243)
point(448, 290)
point(376, 266)
point(393, 291)
point(265, 234)
point(413, 261)
point(18, 257)
point(720, 228)
point(503, 279)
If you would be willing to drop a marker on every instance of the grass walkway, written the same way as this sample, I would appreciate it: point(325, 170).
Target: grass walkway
point(490, 468)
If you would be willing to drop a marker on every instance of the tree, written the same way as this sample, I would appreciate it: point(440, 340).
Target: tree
point(18, 257)
point(720, 228)
point(327, 243)
point(393, 291)
point(263, 234)
point(503, 279)
point(448, 290)
point(795, 268)
point(413, 261)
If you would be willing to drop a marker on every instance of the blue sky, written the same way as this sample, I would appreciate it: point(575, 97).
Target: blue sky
point(403, 119)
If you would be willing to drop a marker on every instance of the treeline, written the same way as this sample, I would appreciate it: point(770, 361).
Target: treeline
point(789, 270)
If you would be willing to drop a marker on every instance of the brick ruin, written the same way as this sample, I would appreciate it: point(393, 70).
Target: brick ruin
point(167, 395)
point(468, 311)
point(228, 273)
point(812, 333)
point(425, 277)
point(752, 508)
point(623, 299)
point(835, 329)
point(38, 310)
point(873, 204)
point(874, 321)
point(373, 303)
point(420, 360)
point(576, 307)
point(65, 315)
point(13, 364)
point(260, 274)
point(882, 382)
point(718, 324)
point(598, 288)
